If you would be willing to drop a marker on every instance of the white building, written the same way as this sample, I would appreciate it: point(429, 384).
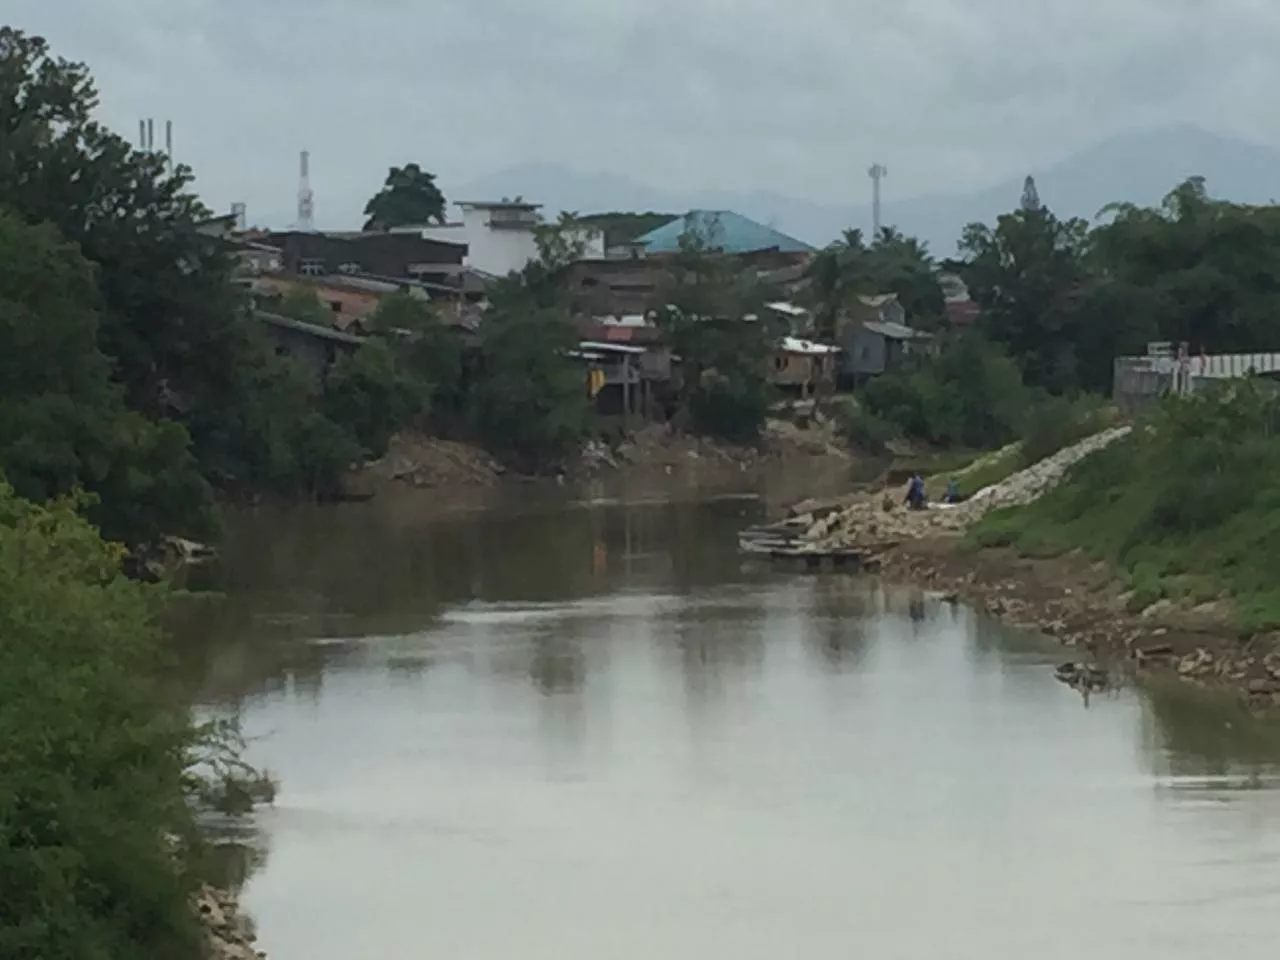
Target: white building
point(500, 236)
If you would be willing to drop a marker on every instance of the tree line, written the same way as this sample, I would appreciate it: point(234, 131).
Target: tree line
point(133, 370)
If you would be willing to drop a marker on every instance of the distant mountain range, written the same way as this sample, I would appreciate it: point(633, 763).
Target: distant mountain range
point(1139, 167)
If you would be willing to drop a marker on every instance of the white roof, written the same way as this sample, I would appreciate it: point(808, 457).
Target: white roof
point(796, 345)
point(790, 309)
point(597, 346)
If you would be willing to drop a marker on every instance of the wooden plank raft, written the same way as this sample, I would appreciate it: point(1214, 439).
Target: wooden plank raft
point(779, 543)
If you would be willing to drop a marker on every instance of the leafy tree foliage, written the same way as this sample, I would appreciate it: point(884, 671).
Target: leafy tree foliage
point(529, 402)
point(713, 318)
point(302, 302)
point(168, 307)
point(95, 771)
point(408, 196)
point(429, 353)
point(1196, 270)
point(891, 263)
point(63, 422)
point(1027, 273)
point(970, 395)
point(370, 397)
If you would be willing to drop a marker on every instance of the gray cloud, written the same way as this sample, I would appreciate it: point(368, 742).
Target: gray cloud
point(739, 94)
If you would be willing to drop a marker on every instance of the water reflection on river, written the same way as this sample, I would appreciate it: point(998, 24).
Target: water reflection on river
point(576, 731)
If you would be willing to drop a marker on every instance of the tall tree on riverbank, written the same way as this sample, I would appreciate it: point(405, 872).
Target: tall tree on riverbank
point(100, 775)
point(409, 196)
point(1028, 273)
point(171, 323)
point(712, 315)
point(63, 422)
point(891, 263)
point(1195, 269)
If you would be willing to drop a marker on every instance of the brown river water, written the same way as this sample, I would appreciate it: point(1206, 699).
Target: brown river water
point(548, 728)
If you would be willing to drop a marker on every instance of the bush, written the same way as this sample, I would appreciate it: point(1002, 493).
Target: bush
point(92, 763)
point(861, 428)
point(1187, 506)
point(1054, 423)
point(969, 395)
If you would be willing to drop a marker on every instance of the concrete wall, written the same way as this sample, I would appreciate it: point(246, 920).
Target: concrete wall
point(504, 249)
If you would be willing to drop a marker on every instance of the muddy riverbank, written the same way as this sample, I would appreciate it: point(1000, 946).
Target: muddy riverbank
point(1083, 605)
point(654, 452)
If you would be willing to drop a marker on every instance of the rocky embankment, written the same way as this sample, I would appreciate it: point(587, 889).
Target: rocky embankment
point(231, 934)
point(1078, 601)
point(882, 520)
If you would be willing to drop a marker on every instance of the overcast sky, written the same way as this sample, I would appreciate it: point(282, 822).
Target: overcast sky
point(798, 97)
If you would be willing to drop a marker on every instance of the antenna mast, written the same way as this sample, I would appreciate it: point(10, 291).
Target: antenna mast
point(877, 173)
point(306, 199)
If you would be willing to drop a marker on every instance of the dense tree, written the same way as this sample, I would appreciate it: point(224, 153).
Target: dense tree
point(176, 333)
point(1194, 270)
point(712, 316)
point(369, 395)
point(100, 778)
point(529, 402)
point(430, 354)
point(168, 306)
point(409, 196)
point(1028, 274)
point(302, 302)
point(63, 422)
point(891, 263)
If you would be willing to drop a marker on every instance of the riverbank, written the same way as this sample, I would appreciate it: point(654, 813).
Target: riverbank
point(230, 934)
point(652, 452)
point(1088, 608)
point(1063, 589)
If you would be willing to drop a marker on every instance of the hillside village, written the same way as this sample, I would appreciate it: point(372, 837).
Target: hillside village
point(613, 291)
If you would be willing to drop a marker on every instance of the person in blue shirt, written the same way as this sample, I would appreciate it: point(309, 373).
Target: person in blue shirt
point(953, 491)
point(915, 493)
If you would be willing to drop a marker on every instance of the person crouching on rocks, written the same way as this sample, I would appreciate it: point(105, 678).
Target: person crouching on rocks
point(915, 493)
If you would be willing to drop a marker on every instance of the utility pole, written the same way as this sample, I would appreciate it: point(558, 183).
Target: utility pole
point(306, 199)
point(877, 173)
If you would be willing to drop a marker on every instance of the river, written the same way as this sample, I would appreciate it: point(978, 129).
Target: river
point(546, 729)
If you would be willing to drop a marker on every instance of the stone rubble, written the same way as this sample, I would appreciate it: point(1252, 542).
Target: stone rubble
point(883, 520)
point(231, 934)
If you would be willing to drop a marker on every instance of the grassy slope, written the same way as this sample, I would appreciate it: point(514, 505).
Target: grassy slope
point(1188, 508)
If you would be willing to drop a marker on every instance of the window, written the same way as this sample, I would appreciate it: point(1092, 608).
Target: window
point(780, 362)
point(311, 267)
point(335, 305)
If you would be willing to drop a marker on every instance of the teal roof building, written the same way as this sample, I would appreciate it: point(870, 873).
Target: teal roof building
point(721, 230)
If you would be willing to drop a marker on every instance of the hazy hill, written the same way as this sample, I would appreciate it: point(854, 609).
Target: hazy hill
point(1139, 167)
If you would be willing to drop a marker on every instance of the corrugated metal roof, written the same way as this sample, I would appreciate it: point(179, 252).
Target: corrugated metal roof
point(324, 333)
point(894, 331)
point(807, 347)
point(723, 230)
point(790, 309)
point(878, 300)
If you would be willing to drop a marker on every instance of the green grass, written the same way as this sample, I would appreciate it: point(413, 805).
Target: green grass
point(1187, 509)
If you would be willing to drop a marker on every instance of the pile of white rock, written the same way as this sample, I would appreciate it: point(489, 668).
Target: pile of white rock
point(884, 519)
point(230, 933)
point(1036, 480)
